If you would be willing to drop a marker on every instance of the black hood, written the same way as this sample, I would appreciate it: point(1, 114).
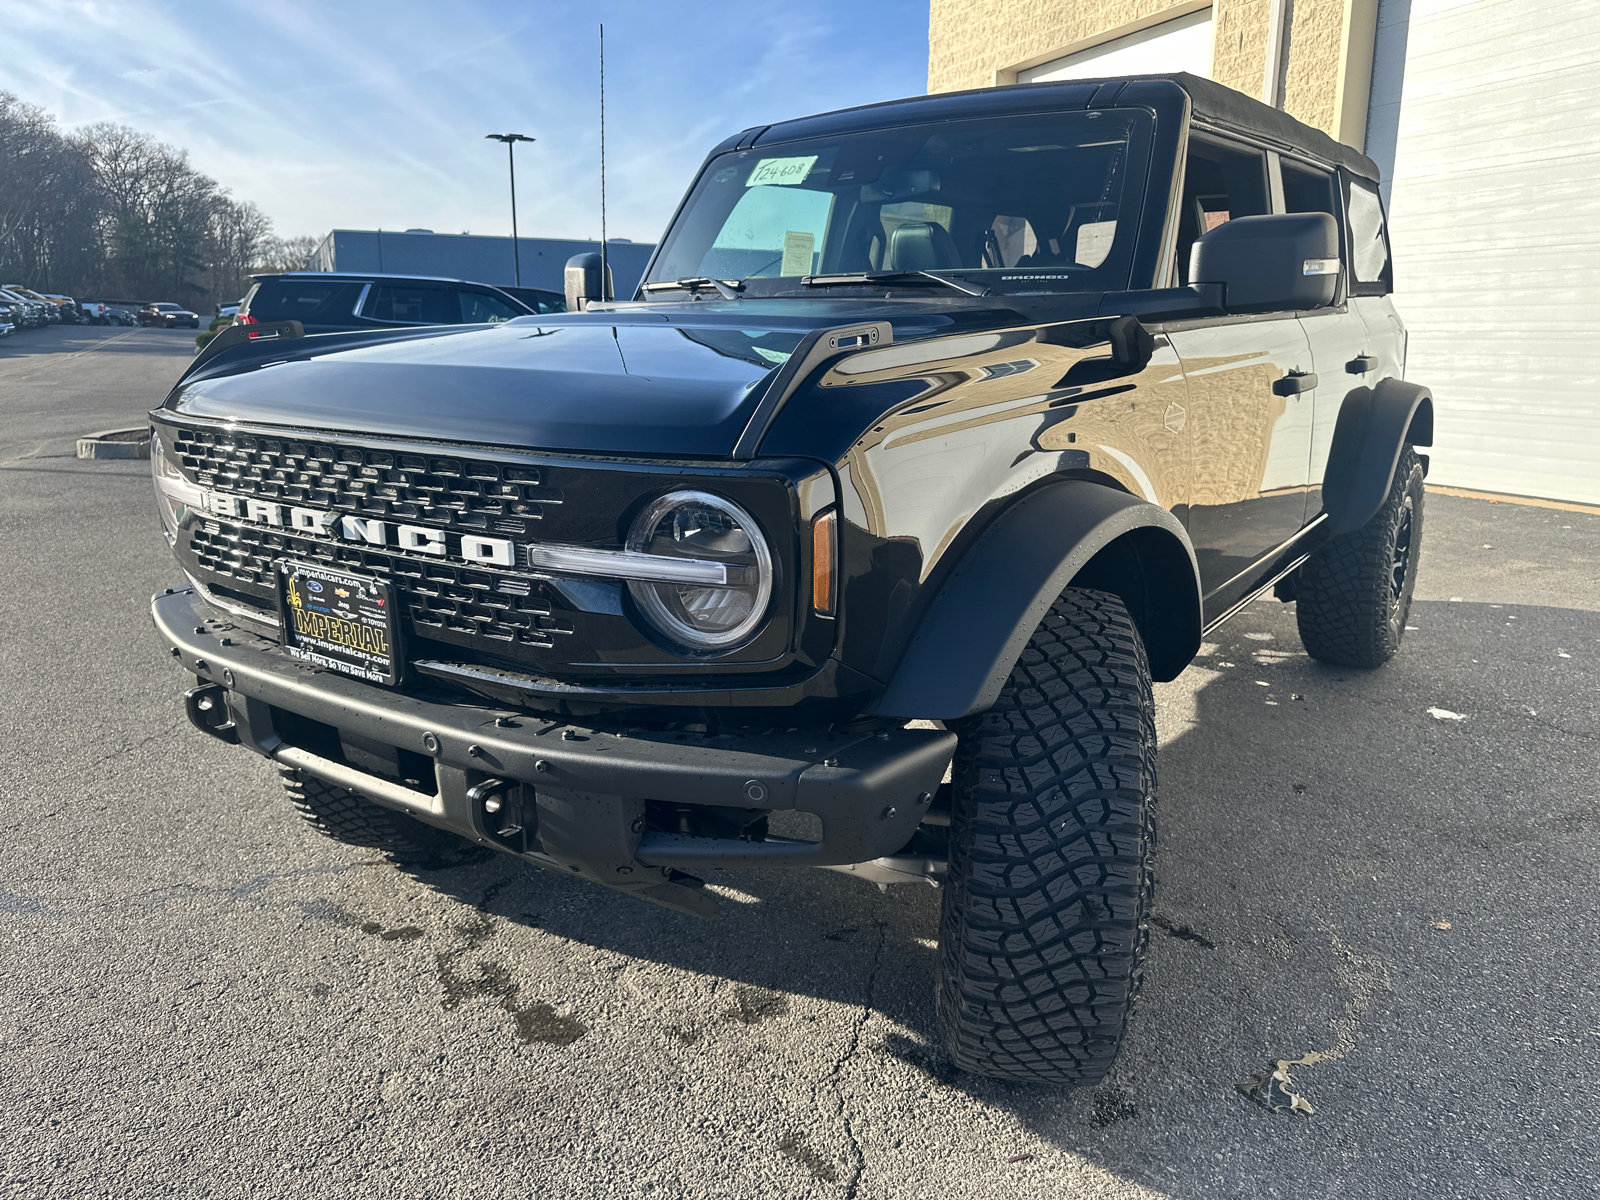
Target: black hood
point(627, 389)
point(680, 381)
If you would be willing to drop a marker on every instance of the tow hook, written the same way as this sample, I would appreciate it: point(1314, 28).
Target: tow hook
point(207, 706)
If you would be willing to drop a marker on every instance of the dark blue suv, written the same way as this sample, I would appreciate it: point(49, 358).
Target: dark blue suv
point(336, 302)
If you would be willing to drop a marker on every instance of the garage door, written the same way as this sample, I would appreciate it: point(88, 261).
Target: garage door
point(1486, 111)
point(1183, 44)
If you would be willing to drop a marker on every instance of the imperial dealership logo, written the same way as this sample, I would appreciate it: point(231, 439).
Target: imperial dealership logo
point(367, 531)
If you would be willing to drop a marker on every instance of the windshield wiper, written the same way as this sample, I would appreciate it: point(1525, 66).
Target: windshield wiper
point(729, 289)
point(875, 278)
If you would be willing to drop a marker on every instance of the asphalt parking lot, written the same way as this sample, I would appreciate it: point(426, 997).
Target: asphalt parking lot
point(200, 996)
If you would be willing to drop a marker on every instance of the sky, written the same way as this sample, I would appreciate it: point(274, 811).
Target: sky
point(363, 115)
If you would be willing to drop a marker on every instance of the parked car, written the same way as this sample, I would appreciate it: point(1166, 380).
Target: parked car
point(168, 316)
point(937, 432)
point(71, 313)
point(53, 308)
point(229, 310)
point(35, 314)
point(538, 299)
point(120, 316)
point(327, 302)
point(94, 311)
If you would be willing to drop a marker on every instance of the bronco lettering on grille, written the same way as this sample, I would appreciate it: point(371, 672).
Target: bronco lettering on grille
point(368, 531)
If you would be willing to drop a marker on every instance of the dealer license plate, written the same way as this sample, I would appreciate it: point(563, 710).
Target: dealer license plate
point(338, 621)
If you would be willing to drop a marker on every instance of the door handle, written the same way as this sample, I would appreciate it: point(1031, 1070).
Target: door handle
point(1361, 364)
point(1294, 383)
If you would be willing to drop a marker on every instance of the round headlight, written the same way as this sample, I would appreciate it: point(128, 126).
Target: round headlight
point(697, 526)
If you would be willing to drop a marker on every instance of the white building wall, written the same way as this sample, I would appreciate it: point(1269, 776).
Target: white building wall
point(1483, 119)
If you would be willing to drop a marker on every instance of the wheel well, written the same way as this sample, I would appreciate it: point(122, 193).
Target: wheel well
point(1420, 431)
point(1152, 575)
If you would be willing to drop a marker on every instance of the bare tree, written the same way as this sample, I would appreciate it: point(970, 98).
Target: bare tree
point(241, 234)
point(287, 254)
point(109, 209)
point(48, 201)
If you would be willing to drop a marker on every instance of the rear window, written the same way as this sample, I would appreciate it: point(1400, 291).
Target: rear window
point(302, 299)
point(412, 303)
point(1369, 244)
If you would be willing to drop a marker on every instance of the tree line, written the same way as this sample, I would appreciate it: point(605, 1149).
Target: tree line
point(107, 212)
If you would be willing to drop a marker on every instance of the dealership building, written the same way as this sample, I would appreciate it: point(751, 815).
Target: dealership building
point(1480, 115)
point(469, 256)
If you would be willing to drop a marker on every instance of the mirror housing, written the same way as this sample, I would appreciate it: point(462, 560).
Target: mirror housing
point(582, 281)
point(1288, 261)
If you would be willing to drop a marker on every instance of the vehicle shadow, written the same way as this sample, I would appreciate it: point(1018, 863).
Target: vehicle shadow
point(1337, 847)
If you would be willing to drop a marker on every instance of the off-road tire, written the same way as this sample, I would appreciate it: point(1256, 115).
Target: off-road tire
point(1354, 593)
point(1052, 832)
point(354, 820)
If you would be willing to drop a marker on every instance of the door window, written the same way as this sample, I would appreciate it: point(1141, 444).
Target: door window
point(1307, 190)
point(1220, 181)
point(413, 304)
point(481, 308)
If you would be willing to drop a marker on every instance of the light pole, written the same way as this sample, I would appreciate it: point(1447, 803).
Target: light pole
point(511, 140)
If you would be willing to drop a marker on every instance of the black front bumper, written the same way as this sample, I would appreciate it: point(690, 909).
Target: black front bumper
point(579, 794)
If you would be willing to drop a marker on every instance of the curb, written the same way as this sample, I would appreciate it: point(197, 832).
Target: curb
point(116, 443)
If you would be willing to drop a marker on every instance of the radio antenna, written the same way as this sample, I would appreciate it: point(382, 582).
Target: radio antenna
point(605, 267)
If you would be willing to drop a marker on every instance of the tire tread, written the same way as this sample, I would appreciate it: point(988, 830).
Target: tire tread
point(1049, 888)
point(1343, 592)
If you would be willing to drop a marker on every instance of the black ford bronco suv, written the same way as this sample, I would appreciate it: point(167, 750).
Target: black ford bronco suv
point(936, 432)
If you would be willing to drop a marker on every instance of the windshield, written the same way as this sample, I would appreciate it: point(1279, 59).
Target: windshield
point(1034, 203)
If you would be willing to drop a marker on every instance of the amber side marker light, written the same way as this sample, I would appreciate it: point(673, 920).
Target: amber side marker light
point(824, 551)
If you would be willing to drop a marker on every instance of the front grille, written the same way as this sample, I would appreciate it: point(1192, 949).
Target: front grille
point(451, 609)
point(444, 601)
point(462, 494)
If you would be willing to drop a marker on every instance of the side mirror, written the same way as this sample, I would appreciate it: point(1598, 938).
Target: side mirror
point(1286, 261)
point(582, 279)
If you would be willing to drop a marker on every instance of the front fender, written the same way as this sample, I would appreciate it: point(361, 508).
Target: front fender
point(1073, 532)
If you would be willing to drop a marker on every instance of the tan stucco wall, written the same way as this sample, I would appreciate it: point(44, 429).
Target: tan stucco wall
point(979, 43)
point(1312, 82)
point(969, 40)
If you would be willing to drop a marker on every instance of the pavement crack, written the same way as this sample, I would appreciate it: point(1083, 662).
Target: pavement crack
point(84, 774)
point(1554, 728)
point(858, 1163)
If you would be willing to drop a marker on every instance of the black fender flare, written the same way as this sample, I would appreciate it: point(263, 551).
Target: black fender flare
point(1374, 426)
point(1071, 532)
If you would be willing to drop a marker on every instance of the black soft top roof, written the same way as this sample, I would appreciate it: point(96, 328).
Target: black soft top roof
point(1210, 102)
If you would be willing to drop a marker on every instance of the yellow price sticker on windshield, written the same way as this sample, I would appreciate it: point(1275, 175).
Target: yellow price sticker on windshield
point(781, 171)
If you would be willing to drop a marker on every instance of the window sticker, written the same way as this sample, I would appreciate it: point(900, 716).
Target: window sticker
point(781, 171)
point(1094, 242)
point(797, 250)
